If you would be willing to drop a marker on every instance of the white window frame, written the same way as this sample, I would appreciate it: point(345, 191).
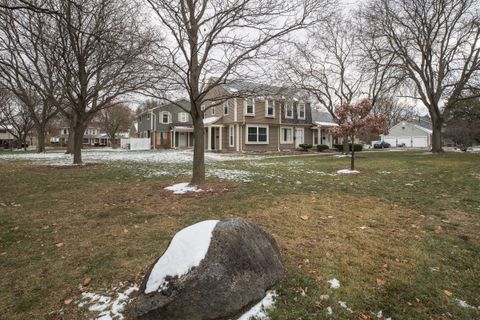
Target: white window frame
point(182, 117)
point(253, 107)
point(231, 136)
point(267, 102)
point(257, 127)
point(287, 106)
point(282, 140)
point(299, 107)
point(168, 117)
point(225, 108)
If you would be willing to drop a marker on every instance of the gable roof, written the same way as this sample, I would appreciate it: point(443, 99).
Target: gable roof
point(185, 103)
point(322, 118)
point(243, 87)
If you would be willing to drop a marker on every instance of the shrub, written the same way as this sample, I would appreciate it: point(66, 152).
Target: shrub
point(305, 147)
point(339, 147)
point(322, 147)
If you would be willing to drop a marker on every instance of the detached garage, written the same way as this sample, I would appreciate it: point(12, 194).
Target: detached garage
point(410, 134)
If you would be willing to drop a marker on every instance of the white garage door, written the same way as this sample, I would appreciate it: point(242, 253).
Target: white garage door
point(391, 139)
point(419, 142)
point(406, 140)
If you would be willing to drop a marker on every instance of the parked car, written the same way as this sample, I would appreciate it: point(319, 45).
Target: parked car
point(401, 145)
point(382, 145)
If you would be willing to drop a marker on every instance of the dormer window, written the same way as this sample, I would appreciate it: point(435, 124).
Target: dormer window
point(250, 107)
point(165, 117)
point(301, 111)
point(289, 111)
point(225, 108)
point(270, 106)
point(183, 117)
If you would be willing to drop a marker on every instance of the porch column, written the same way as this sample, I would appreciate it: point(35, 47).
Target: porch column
point(319, 133)
point(209, 138)
point(220, 129)
point(237, 137)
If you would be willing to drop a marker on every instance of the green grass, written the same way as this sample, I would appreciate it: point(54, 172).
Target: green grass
point(420, 212)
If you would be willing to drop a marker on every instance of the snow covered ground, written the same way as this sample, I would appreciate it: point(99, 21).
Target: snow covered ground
point(116, 155)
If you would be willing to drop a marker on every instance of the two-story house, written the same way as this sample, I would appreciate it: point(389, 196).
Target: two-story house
point(244, 116)
point(168, 125)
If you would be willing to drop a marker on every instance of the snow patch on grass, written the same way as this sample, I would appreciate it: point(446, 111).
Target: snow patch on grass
point(182, 188)
point(347, 171)
point(334, 283)
point(230, 174)
point(108, 307)
point(259, 311)
point(186, 250)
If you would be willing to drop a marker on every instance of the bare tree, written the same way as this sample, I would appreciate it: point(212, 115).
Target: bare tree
point(436, 45)
point(101, 54)
point(337, 65)
point(34, 6)
point(26, 66)
point(15, 118)
point(115, 119)
point(215, 40)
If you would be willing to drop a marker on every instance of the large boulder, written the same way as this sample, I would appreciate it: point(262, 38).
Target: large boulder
point(210, 270)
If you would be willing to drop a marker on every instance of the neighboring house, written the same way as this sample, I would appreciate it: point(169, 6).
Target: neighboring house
point(412, 134)
point(322, 121)
point(168, 125)
point(133, 133)
point(261, 118)
point(6, 138)
point(92, 137)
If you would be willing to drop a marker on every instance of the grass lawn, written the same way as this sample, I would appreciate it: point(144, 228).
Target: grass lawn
point(402, 237)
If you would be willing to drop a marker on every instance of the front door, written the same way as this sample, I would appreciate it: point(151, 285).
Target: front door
point(298, 137)
point(182, 140)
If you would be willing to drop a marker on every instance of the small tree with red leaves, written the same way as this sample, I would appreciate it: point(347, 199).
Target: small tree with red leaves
point(351, 118)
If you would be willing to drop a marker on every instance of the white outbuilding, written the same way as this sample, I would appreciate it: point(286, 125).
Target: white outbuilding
point(410, 134)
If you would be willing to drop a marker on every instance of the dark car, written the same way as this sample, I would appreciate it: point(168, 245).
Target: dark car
point(381, 145)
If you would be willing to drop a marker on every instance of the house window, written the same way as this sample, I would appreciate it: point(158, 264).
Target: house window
point(315, 137)
point(148, 116)
point(165, 117)
point(257, 135)
point(231, 136)
point(301, 111)
point(250, 106)
point(289, 111)
point(270, 108)
point(86, 140)
point(139, 119)
point(225, 108)
point(183, 117)
point(287, 135)
point(161, 137)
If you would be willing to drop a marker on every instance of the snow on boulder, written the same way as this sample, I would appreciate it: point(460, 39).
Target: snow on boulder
point(210, 270)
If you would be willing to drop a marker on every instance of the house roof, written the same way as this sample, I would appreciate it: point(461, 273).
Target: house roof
point(210, 120)
point(185, 103)
point(322, 118)
point(243, 87)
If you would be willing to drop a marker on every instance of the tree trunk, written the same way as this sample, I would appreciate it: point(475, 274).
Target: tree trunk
point(345, 145)
point(40, 139)
point(198, 177)
point(77, 144)
point(352, 161)
point(70, 140)
point(437, 124)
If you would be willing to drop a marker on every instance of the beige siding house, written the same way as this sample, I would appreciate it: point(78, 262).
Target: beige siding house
point(244, 116)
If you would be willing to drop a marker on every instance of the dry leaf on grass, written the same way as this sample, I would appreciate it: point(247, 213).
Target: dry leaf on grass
point(448, 293)
point(86, 281)
point(380, 282)
point(304, 218)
